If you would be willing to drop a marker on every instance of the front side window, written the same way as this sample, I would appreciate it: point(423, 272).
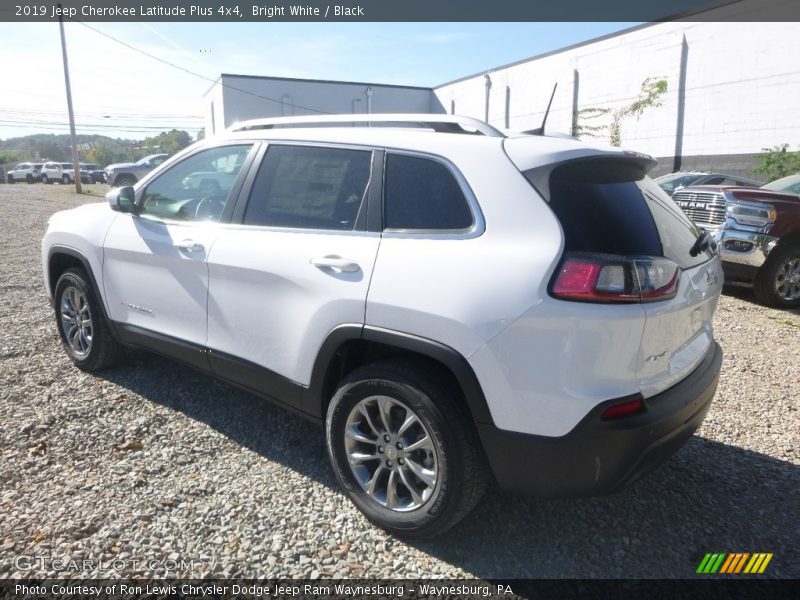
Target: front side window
point(197, 188)
point(423, 194)
point(305, 187)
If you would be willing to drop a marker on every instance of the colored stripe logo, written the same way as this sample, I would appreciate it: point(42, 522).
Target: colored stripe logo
point(734, 563)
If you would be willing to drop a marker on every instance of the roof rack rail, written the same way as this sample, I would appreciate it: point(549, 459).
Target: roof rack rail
point(439, 123)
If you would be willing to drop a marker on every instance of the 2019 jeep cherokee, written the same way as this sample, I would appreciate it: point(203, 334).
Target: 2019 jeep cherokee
point(453, 304)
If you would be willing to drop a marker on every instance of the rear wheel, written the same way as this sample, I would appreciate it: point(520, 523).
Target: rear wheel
point(778, 281)
point(84, 331)
point(403, 448)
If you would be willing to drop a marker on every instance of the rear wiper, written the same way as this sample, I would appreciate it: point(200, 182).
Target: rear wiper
point(703, 242)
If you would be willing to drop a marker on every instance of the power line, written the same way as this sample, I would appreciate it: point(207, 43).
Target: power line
point(185, 70)
point(154, 116)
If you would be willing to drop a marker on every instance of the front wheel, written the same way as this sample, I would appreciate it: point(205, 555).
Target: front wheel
point(403, 448)
point(125, 180)
point(45, 179)
point(778, 281)
point(84, 331)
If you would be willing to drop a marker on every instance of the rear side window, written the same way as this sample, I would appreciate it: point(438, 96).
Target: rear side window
point(309, 188)
point(423, 194)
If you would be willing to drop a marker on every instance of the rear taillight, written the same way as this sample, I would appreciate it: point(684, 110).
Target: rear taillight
point(611, 278)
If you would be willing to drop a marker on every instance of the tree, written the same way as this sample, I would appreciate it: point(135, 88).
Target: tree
point(650, 96)
point(777, 162)
point(168, 141)
point(102, 154)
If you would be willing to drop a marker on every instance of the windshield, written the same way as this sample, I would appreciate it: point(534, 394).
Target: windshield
point(669, 183)
point(789, 184)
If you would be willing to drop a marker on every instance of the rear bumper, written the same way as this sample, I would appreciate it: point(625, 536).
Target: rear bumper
point(599, 457)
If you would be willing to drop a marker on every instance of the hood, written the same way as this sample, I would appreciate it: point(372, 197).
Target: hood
point(125, 165)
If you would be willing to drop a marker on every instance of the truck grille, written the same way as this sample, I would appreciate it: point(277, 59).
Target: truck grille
point(706, 209)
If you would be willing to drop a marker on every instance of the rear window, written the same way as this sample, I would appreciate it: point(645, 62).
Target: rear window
point(610, 206)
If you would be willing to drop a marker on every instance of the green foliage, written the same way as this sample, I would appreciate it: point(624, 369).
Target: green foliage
point(777, 162)
point(650, 96)
point(169, 141)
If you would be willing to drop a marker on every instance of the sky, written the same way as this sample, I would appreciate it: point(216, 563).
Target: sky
point(121, 92)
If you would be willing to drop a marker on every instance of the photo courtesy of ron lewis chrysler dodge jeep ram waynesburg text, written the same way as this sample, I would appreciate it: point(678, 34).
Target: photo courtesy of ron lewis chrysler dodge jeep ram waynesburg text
point(456, 306)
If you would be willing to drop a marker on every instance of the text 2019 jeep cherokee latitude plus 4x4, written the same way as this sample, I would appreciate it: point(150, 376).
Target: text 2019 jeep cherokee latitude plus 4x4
point(454, 304)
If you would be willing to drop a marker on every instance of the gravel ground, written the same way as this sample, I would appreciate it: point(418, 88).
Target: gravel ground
point(152, 461)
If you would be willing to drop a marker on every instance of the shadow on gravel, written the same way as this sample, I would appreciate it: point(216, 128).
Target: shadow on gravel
point(710, 497)
point(744, 292)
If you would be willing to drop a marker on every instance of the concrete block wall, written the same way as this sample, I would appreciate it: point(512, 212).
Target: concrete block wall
point(742, 83)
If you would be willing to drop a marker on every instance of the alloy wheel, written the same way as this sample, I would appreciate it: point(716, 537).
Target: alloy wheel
point(391, 453)
point(76, 321)
point(787, 279)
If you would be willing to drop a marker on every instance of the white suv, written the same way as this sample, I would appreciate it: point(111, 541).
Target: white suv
point(61, 172)
point(30, 172)
point(452, 303)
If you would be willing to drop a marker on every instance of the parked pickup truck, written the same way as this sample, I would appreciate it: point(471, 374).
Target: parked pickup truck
point(758, 235)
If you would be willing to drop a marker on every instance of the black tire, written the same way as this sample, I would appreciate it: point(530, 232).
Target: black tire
point(124, 180)
point(772, 275)
point(103, 349)
point(462, 471)
point(45, 180)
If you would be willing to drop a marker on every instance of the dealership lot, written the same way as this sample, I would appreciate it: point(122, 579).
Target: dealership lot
point(153, 466)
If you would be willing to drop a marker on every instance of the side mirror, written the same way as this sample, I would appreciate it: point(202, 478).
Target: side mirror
point(122, 199)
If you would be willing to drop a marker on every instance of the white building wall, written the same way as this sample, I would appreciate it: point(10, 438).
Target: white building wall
point(742, 87)
point(238, 98)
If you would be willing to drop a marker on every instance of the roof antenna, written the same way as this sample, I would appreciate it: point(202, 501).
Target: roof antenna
point(540, 130)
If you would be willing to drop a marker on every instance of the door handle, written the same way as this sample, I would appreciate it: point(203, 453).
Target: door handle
point(190, 246)
point(343, 265)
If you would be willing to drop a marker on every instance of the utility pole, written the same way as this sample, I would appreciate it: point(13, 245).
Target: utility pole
point(75, 164)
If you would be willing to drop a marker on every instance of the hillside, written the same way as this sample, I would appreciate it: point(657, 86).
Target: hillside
point(99, 149)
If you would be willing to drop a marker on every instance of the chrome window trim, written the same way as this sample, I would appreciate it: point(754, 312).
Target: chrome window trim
point(301, 230)
point(478, 223)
